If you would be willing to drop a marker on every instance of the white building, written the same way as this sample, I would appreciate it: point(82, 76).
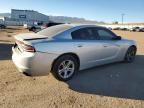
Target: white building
point(28, 16)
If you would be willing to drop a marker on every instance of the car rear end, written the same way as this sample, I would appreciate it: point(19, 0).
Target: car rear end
point(22, 56)
point(28, 59)
point(31, 56)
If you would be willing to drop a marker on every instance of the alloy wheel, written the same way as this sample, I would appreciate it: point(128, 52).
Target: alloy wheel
point(130, 56)
point(66, 69)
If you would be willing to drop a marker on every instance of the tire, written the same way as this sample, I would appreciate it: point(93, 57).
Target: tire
point(65, 67)
point(130, 55)
point(2, 27)
point(32, 29)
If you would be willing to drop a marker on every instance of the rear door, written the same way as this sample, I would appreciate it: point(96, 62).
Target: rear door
point(87, 46)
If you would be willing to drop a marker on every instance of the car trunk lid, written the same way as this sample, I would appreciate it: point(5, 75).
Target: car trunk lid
point(26, 41)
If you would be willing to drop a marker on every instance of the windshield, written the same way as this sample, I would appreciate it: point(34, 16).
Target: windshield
point(54, 30)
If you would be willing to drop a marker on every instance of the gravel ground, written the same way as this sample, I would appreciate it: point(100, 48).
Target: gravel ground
point(117, 85)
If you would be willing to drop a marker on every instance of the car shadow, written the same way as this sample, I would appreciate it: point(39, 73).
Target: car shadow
point(5, 51)
point(122, 80)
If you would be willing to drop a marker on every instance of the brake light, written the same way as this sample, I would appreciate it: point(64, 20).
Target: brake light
point(25, 47)
point(28, 48)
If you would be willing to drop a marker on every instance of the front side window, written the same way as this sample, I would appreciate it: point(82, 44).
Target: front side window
point(105, 34)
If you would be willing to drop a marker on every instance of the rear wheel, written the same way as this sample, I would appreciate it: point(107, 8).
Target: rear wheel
point(65, 67)
point(130, 55)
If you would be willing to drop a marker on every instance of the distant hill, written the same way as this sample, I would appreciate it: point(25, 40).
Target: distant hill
point(5, 14)
point(64, 19)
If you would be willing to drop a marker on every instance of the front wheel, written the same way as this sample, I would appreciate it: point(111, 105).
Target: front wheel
point(65, 67)
point(130, 55)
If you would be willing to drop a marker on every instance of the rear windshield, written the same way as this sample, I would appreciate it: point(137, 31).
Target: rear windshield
point(52, 31)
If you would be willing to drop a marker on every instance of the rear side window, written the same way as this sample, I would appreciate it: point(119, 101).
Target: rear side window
point(52, 31)
point(83, 34)
point(80, 34)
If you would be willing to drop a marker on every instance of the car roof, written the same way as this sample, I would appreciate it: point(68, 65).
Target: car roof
point(63, 31)
point(82, 25)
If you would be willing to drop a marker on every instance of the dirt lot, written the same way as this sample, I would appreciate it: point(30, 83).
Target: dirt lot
point(117, 85)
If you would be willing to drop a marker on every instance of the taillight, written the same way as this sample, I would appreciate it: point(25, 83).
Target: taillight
point(25, 47)
point(28, 48)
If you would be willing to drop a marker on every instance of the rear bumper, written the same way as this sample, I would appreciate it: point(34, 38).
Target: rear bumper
point(33, 64)
point(22, 62)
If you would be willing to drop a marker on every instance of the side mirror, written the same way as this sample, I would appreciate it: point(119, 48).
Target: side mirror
point(117, 38)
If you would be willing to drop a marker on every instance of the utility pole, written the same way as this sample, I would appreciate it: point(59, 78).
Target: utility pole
point(122, 15)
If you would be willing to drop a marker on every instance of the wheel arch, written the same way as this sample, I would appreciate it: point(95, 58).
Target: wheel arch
point(134, 46)
point(125, 57)
point(69, 53)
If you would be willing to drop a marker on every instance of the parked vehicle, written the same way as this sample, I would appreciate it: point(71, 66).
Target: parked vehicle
point(2, 26)
point(35, 27)
point(124, 29)
point(50, 24)
point(137, 29)
point(117, 28)
point(40, 26)
point(65, 49)
point(141, 29)
point(109, 28)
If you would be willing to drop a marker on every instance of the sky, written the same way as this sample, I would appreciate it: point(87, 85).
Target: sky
point(99, 10)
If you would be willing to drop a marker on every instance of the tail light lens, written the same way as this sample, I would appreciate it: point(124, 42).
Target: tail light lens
point(25, 47)
point(28, 48)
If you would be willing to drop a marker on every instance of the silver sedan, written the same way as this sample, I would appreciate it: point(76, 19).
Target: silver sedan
point(65, 49)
